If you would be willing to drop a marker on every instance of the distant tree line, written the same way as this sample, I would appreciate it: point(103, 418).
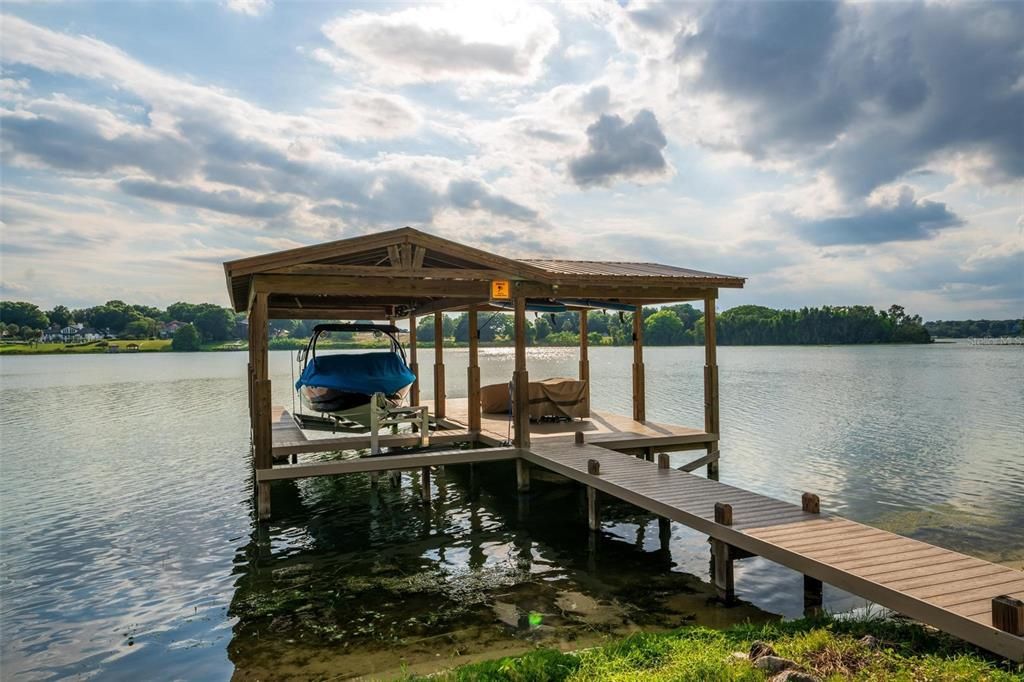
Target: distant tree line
point(681, 325)
point(965, 329)
point(673, 325)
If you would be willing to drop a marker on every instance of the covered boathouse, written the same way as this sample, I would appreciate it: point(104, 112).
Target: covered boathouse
point(401, 275)
point(404, 274)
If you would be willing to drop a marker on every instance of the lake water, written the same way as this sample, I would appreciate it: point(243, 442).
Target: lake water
point(128, 550)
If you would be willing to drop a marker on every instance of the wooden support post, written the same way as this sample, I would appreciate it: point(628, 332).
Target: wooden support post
point(473, 373)
point(585, 361)
point(639, 389)
point(425, 484)
point(593, 512)
point(593, 467)
point(813, 589)
point(663, 460)
point(579, 438)
point(711, 421)
point(521, 380)
point(522, 476)
point(262, 440)
point(1008, 615)
point(723, 561)
point(665, 533)
point(439, 394)
point(414, 366)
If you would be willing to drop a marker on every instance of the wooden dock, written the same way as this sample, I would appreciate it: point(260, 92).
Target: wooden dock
point(948, 590)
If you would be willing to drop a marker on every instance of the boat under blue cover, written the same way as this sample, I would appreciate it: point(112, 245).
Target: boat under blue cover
point(366, 373)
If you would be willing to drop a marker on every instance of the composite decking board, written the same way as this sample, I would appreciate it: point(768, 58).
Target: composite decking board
point(829, 548)
point(962, 591)
point(941, 574)
point(850, 538)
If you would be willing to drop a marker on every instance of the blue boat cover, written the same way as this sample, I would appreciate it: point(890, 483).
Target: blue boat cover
point(367, 373)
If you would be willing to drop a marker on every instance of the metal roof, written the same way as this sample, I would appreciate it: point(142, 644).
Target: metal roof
point(618, 269)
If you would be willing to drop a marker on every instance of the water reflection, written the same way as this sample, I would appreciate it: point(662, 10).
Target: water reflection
point(126, 541)
point(363, 578)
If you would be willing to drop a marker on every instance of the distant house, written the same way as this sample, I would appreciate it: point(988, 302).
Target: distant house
point(52, 334)
point(133, 348)
point(79, 333)
point(168, 329)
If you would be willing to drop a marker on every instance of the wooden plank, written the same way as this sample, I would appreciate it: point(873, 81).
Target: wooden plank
point(928, 568)
point(385, 463)
point(943, 575)
point(981, 589)
point(856, 536)
point(866, 549)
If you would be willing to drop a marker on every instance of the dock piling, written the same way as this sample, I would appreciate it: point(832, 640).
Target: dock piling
point(425, 484)
point(813, 589)
point(522, 476)
point(1008, 615)
point(722, 558)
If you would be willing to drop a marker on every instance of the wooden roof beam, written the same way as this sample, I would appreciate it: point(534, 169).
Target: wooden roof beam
point(396, 287)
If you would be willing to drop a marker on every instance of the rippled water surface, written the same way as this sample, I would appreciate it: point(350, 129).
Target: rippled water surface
point(128, 551)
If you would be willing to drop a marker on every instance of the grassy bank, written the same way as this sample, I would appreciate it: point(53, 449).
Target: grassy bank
point(824, 649)
point(145, 346)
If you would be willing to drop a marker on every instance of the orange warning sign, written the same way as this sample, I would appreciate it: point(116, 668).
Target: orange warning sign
point(501, 290)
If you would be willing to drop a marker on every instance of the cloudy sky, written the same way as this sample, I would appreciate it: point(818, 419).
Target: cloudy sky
point(832, 153)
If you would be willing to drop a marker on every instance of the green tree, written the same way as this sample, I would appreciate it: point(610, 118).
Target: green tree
point(664, 328)
point(181, 312)
point(60, 316)
point(142, 328)
point(214, 323)
point(186, 339)
point(425, 328)
point(542, 328)
point(23, 314)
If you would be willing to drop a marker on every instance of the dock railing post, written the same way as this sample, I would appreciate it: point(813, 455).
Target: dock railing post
point(813, 589)
point(723, 561)
point(1008, 615)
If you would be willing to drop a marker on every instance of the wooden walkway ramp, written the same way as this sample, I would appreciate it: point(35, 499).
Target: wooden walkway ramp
point(950, 591)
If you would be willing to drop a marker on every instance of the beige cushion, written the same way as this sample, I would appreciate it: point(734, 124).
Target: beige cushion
point(554, 397)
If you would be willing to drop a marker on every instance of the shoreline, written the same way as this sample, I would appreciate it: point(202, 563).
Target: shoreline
point(87, 349)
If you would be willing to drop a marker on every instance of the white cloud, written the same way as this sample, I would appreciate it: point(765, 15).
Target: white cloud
point(472, 41)
point(253, 8)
